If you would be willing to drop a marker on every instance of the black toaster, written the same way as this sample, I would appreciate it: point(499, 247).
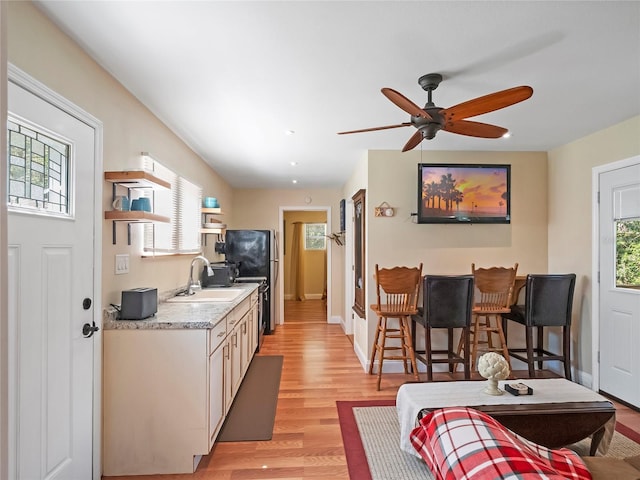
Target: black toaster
point(138, 303)
point(224, 275)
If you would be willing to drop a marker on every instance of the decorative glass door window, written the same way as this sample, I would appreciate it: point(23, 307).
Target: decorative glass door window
point(39, 166)
point(628, 253)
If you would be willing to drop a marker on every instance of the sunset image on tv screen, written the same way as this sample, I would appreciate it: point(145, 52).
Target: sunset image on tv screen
point(460, 192)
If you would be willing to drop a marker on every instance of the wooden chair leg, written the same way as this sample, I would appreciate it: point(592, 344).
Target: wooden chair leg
point(450, 349)
point(529, 341)
point(474, 342)
point(503, 341)
point(381, 350)
point(404, 335)
point(427, 353)
point(566, 351)
point(459, 351)
point(489, 329)
point(409, 342)
point(375, 346)
point(540, 344)
point(467, 365)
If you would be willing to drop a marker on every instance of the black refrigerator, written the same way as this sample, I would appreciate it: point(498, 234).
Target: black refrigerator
point(254, 252)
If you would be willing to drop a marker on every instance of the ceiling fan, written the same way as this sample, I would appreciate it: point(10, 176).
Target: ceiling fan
point(430, 119)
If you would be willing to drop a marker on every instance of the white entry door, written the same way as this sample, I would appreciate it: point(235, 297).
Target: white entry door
point(51, 289)
point(619, 284)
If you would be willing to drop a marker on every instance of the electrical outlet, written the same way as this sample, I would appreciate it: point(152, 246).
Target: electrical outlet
point(122, 264)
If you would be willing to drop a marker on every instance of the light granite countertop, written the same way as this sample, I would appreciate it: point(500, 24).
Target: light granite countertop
point(179, 315)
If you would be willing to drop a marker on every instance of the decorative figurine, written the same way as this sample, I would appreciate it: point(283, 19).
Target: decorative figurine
point(493, 367)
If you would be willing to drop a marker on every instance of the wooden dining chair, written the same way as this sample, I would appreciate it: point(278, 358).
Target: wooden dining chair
point(494, 290)
point(397, 298)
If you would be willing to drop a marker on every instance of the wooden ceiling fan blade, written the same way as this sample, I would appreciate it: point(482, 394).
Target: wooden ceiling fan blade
point(406, 124)
point(475, 129)
point(404, 103)
point(487, 103)
point(413, 142)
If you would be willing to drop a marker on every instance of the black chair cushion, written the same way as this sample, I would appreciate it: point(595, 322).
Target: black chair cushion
point(548, 301)
point(517, 314)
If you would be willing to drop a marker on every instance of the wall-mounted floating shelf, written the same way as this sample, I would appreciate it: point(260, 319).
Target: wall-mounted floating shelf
point(136, 179)
point(134, 216)
point(206, 220)
point(131, 180)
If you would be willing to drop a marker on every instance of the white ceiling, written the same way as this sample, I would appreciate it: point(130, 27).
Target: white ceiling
point(231, 77)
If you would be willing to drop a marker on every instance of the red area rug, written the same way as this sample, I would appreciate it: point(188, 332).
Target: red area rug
point(353, 448)
point(355, 454)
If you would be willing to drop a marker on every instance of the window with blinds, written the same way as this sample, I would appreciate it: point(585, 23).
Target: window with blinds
point(182, 205)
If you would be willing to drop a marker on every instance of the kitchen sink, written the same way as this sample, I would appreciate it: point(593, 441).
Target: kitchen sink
point(209, 295)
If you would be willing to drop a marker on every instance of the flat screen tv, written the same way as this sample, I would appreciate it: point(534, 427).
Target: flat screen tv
point(464, 193)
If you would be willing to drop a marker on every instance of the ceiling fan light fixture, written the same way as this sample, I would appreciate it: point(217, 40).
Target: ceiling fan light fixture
point(428, 120)
point(507, 135)
point(429, 131)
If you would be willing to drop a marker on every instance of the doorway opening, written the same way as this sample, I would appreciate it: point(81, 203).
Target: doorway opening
point(305, 266)
point(616, 294)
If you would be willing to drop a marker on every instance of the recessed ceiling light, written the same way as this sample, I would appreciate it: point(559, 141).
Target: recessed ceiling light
point(289, 132)
point(294, 181)
point(506, 135)
point(293, 164)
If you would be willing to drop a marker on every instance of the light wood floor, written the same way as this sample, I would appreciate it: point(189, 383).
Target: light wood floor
point(319, 368)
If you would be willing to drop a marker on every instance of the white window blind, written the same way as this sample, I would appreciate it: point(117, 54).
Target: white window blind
point(189, 216)
point(182, 205)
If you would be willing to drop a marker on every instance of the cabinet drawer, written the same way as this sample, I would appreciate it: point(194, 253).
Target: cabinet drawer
point(242, 309)
point(217, 335)
point(232, 319)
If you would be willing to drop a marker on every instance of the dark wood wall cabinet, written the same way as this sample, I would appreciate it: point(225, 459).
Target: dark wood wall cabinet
point(359, 270)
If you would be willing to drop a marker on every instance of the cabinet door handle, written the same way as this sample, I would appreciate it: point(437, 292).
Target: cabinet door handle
point(235, 339)
point(222, 334)
point(226, 351)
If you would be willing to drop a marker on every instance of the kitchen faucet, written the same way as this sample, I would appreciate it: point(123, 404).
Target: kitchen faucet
point(191, 285)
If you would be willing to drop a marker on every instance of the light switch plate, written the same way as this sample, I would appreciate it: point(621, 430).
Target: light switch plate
point(122, 264)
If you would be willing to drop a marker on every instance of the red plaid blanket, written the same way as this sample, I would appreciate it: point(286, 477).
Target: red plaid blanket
point(463, 443)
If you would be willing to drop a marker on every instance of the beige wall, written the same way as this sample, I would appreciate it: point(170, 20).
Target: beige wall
point(261, 208)
point(314, 260)
point(559, 197)
point(37, 47)
point(450, 249)
point(357, 181)
point(570, 222)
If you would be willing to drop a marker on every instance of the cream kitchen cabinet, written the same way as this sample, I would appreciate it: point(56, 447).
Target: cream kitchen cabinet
point(235, 359)
point(217, 400)
point(239, 349)
point(167, 391)
point(250, 332)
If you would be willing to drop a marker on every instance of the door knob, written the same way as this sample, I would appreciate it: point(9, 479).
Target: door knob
point(88, 330)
